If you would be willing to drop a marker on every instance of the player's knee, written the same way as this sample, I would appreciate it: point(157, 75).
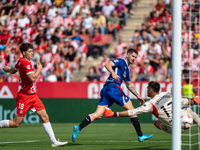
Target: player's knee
point(45, 118)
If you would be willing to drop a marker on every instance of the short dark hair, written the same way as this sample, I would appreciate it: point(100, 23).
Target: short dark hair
point(155, 86)
point(25, 46)
point(131, 50)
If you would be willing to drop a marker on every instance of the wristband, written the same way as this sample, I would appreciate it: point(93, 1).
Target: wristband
point(116, 114)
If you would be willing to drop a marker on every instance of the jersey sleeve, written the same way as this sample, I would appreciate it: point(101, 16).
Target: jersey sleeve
point(28, 68)
point(16, 67)
point(116, 62)
point(145, 108)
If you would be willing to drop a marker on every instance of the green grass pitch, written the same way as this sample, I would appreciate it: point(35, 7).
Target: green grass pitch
point(97, 136)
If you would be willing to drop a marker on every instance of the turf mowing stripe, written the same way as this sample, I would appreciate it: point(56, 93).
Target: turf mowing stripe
point(20, 142)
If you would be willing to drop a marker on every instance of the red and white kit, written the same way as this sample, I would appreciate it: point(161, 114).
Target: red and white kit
point(161, 106)
point(27, 96)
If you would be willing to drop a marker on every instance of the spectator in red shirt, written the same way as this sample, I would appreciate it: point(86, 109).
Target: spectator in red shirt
point(96, 43)
point(17, 39)
point(166, 18)
point(154, 18)
point(5, 37)
point(159, 7)
point(145, 71)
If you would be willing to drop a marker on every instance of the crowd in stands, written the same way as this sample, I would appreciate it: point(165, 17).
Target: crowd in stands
point(65, 33)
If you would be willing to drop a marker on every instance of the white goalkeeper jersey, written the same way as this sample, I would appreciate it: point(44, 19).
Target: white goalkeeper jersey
point(161, 106)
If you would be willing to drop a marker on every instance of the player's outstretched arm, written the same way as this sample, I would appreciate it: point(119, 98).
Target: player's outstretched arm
point(194, 101)
point(33, 76)
point(133, 91)
point(10, 70)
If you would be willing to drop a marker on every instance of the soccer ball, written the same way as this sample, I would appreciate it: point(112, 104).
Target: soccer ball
point(186, 121)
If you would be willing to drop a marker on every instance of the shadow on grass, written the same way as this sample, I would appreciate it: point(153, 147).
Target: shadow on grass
point(144, 148)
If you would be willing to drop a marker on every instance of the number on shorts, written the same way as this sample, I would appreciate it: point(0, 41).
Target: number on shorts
point(21, 106)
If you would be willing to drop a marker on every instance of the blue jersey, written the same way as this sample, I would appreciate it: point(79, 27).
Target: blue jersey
point(121, 69)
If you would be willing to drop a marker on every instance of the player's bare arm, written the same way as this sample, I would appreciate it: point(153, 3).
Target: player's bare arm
point(133, 91)
point(10, 70)
point(109, 66)
point(33, 76)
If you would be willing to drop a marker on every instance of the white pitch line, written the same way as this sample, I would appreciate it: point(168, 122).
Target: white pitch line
point(19, 142)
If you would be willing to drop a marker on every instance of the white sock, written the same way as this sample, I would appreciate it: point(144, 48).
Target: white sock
point(4, 124)
point(49, 131)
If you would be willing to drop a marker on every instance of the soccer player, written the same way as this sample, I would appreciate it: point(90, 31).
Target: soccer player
point(27, 97)
point(160, 105)
point(112, 92)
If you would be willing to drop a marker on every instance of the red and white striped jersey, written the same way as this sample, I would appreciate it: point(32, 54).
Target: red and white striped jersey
point(195, 64)
point(82, 49)
point(10, 24)
point(187, 36)
point(189, 54)
point(150, 70)
point(119, 48)
point(3, 63)
point(57, 21)
point(30, 9)
point(141, 56)
point(67, 21)
point(18, 30)
point(43, 21)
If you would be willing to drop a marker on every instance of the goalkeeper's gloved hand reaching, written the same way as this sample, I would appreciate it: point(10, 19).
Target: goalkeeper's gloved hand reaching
point(196, 100)
point(109, 113)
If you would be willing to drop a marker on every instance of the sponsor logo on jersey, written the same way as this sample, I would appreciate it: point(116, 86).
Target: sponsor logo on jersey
point(116, 60)
point(28, 67)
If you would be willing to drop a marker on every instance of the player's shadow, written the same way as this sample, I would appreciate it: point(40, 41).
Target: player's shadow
point(144, 148)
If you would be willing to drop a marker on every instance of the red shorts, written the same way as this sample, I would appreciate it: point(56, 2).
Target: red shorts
point(25, 102)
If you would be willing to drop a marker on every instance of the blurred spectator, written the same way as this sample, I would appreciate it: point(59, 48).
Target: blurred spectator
point(120, 46)
point(23, 21)
point(40, 36)
point(154, 48)
point(95, 43)
point(6, 12)
point(87, 24)
point(134, 40)
point(187, 71)
point(113, 24)
point(91, 76)
point(36, 57)
point(62, 10)
point(141, 56)
point(99, 22)
point(107, 9)
point(159, 7)
point(84, 9)
point(5, 37)
point(52, 11)
point(17, 39)
point(58, 71)
point(71, 54)
point(3, 63)
point(145, 71)
point(134, 71)
point(31, 11)
point(145, 35)
point(81, 54)
point(15, 59)
point(162, 37)
point(162, 69)
point(195, 62)
point(154, 18)
point(75, 9)
point(122, 12)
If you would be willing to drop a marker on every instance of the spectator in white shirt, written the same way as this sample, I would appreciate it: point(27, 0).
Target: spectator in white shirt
point(107, 9)
point(87, 23)
point(62, 10)
point(75, 9)
point(52, 11)
point(23, 21)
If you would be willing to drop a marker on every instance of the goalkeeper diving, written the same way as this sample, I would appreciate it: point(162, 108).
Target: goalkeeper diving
point(160, 105)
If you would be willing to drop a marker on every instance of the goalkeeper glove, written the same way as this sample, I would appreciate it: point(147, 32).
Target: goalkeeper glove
point(196, 100)
point(109, 113)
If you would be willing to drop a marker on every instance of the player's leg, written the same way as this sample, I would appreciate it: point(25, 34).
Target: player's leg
point(48, 128)
point(161, 126)
point(11, 123)
point(90, 118)
point(136, 123)
point(40, 110)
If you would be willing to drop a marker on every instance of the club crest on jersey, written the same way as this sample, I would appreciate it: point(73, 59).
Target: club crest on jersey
point(28, 67)
point(124, 74)
point(116, 60)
